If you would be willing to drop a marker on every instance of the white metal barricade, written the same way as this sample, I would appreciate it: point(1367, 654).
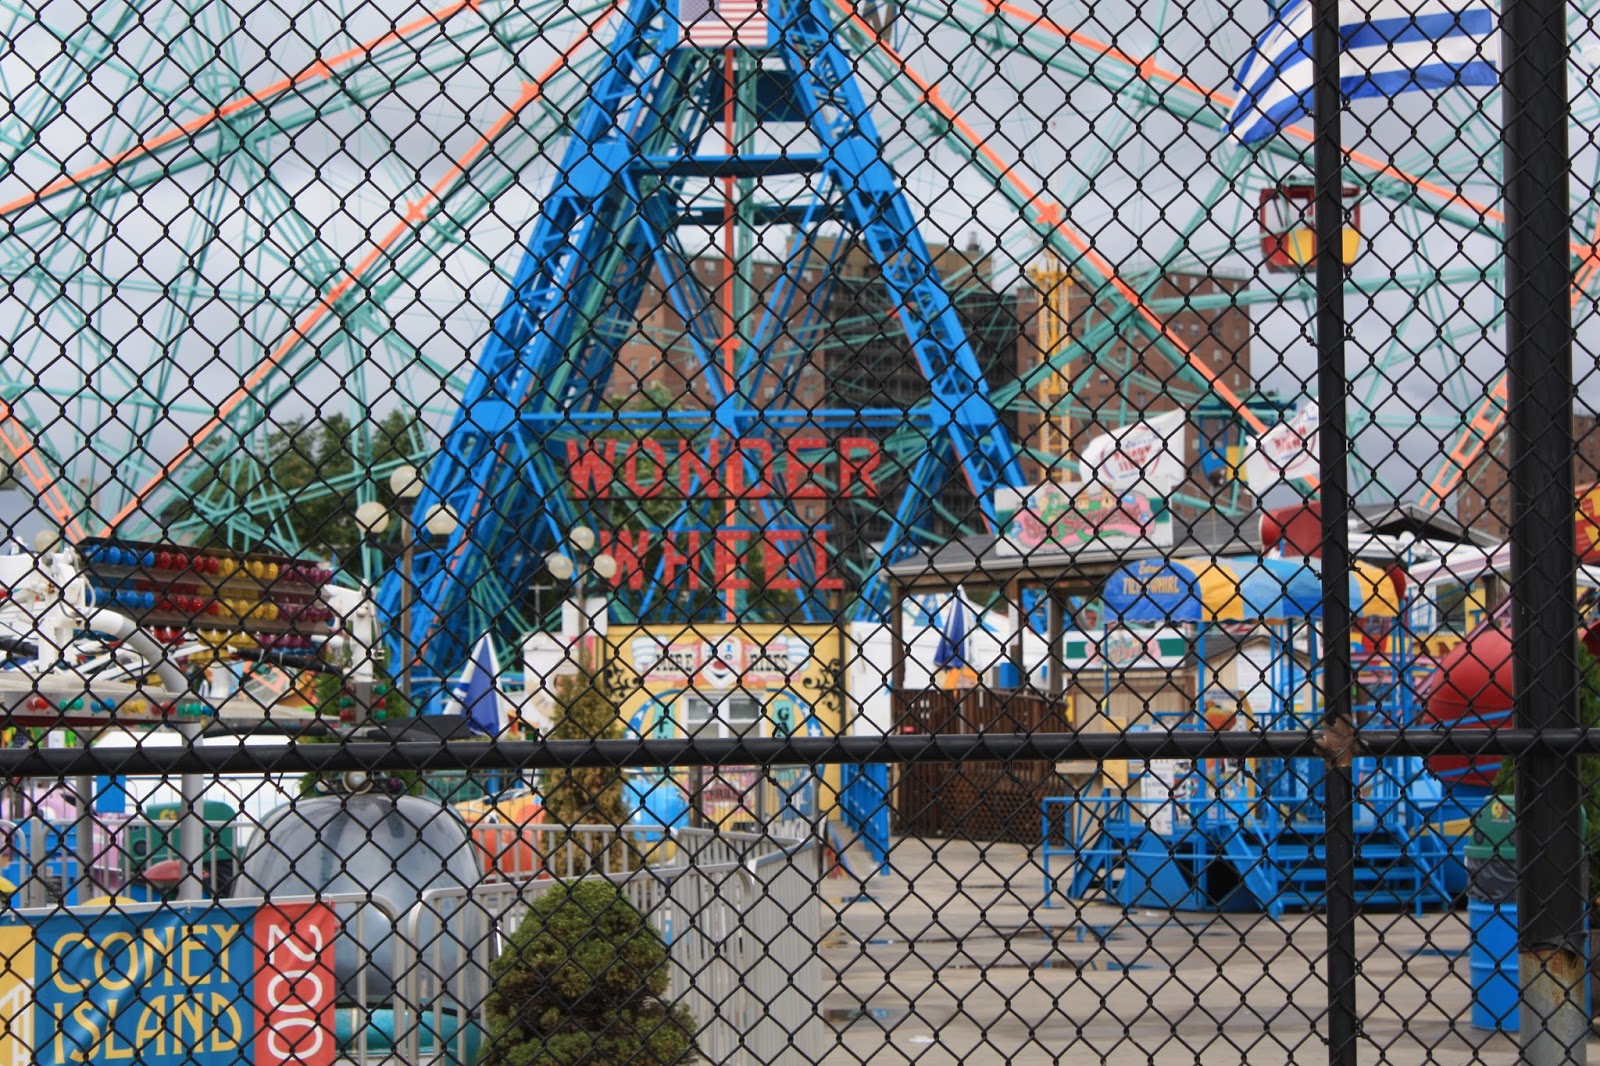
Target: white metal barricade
point(741, 941)
point(520, 852)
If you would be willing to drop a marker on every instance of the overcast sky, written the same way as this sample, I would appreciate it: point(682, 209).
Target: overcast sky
point(166, 268)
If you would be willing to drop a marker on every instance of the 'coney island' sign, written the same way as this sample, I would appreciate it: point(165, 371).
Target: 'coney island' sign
point(198, 984)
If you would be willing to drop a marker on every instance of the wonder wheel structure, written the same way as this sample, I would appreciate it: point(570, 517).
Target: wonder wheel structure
point(221, 221)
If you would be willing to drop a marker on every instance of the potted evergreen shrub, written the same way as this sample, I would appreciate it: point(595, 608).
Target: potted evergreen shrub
point(580, 983)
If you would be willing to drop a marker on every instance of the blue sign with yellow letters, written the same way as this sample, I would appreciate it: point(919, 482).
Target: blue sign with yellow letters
point(200, 984)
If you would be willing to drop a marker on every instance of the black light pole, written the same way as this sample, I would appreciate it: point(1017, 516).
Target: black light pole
point(1333, 442)
point(1551, 864)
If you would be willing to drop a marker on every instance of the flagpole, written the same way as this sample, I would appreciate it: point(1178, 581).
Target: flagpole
point(1332, 385)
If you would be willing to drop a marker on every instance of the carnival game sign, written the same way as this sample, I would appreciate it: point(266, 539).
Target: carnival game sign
point(186, 985)
point(721, 664)
point(1149, 453)
point(1071, 518)
point(1286, 452)
point(1123, 649)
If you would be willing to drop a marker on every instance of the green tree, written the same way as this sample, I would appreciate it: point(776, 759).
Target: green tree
point(303, 477)
point(581, 984)
point(590, 795)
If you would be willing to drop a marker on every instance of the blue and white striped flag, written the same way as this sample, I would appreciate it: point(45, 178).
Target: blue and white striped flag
point(1390, 47)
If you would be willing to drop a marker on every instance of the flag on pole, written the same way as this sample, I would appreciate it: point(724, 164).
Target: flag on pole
point(950, 657)
point(1147, 456)
point(480, 696)
point(1389, 47)
point(952, 649)
point(724, 23)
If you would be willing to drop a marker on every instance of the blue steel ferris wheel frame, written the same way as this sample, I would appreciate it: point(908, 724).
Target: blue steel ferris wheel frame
point(614, 214)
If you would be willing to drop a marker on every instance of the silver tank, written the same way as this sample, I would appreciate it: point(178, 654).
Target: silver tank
point(391, 848)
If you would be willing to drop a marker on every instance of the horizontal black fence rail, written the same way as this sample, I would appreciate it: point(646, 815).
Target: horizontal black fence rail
point(224, 758)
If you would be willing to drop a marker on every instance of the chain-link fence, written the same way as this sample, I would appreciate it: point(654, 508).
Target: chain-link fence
point(789, 531)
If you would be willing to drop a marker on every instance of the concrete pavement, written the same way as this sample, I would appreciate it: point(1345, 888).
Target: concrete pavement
point(952, 959)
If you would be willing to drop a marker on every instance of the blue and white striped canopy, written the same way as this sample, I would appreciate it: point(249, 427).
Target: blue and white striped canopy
point(1237, 589)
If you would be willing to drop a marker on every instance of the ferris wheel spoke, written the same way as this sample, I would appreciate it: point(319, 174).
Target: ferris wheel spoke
point(366, 72)
point(266, 258)
point(47, 91)
point(282, 264)
point(290, 352)
point(322, 72)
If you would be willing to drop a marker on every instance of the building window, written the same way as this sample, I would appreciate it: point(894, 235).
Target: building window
point(729, 717)
point(1452, 608)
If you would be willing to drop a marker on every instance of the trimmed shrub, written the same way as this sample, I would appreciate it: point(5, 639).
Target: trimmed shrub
point(580, 983)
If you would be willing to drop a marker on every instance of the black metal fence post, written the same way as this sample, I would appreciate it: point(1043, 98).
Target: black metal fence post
point(1338, 793)
point(1551, 896)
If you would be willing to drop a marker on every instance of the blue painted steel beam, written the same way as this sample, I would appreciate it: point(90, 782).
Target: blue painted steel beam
point(496, 476)
point(612, 217)
point(744, 165)
point(759, 215)
point(585, 423)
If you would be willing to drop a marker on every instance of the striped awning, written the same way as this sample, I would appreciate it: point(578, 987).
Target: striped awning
point(1237, 589)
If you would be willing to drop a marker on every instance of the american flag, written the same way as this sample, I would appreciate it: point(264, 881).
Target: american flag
point(724, 23)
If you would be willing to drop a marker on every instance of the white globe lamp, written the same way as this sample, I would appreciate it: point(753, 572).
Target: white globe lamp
point(372, 517)
point(441, 521)
point(405, 482)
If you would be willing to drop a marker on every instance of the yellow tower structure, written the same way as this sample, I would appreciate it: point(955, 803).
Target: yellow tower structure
point(1053, 282)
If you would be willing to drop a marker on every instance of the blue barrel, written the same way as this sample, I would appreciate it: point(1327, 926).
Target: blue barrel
point(1493, 964)
point(1491, 855)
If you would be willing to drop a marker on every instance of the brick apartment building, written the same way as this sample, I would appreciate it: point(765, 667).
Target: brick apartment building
point(1130, 378)
point(859, 359)
point(1484, 499)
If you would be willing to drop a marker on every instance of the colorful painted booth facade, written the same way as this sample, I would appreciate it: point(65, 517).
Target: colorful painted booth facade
point(712, 680)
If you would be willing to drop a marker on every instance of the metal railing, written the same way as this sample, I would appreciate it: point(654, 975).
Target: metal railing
point(740, 936)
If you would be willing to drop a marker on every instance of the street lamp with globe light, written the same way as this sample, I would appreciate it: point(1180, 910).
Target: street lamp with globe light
point(405, 483)
point(580, 565)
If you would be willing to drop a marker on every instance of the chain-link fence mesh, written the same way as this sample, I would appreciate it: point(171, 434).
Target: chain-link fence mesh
point(790, 531)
